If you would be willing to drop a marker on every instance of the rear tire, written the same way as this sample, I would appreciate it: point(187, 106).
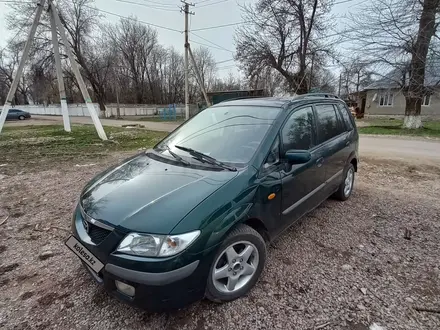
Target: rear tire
point(237, 265)
point(21, 118)
point(346, 187)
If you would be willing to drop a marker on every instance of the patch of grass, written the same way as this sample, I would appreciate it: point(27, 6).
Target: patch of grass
point(161, 120)
point(394, 127)
point(40, 144)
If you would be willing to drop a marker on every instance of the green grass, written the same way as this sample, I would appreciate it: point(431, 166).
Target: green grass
point(40, 144)
point(394, 127)
point(161, 120)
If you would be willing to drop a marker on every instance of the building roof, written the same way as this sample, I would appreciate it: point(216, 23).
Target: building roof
point(395, 78)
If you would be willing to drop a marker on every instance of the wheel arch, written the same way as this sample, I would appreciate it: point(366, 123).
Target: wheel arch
point(353, 160)
point(258, 225)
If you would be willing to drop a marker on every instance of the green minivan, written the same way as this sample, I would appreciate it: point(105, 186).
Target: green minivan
point(192, 217)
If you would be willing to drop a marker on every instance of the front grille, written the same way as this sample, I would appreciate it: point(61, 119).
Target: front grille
point(97, 234)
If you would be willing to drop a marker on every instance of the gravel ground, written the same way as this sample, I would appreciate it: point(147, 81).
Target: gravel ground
point(345, 266)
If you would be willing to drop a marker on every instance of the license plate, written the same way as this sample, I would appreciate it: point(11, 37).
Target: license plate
point(85, 255)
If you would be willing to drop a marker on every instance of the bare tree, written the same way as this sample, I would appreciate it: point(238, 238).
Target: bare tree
point(135, 42)
point(397, 35)
point(80, 21)
point(174, 76)
point(206, 65)
point(324, 80)
point(9, 60)
point(355, 76)
point(282, 34)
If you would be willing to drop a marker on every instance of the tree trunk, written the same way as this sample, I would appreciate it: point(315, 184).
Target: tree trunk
point(118, 109)
point(101, 100)
point(412, 113)
point(416, 86)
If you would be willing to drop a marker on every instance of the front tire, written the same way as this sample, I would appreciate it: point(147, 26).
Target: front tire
point(21, 118)
point(346, 187)
point(237, 265)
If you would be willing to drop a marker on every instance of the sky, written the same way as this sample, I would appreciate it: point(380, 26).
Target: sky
point(208, 13)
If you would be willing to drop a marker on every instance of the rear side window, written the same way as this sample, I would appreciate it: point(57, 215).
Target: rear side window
point(297, 133)
point(329, 123)
point(346, 116)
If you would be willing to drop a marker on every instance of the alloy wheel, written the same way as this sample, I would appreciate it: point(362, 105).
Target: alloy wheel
point(235, 267)
point(349, 178)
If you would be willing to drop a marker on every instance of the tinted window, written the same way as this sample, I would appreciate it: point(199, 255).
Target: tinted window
point(346, 116)
point(231, 134)
point(329, 124)
point(297, 133)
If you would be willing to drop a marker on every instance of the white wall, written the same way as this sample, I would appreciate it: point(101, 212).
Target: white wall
point(55, 109)
point(141, 109)
point(82, 111)
point(399, 104)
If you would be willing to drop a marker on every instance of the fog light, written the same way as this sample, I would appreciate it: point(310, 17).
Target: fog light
point(125, 288)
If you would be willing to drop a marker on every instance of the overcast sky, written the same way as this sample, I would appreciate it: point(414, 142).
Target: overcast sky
point(208, 13)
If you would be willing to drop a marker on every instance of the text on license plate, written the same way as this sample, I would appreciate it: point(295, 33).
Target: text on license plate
point(85, 255)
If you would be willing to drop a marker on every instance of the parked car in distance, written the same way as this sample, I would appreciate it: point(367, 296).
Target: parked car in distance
point(192, 217)
point(14, 114)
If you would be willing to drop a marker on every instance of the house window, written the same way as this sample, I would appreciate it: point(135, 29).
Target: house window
point(426, 101)
point(386, 100)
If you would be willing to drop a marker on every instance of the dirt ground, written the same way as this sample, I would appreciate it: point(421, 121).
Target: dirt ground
point(344, 266)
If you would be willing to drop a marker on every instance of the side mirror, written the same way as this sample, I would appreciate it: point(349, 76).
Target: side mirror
point(298, 156)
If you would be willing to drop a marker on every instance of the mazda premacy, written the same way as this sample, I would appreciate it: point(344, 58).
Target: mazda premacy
point(192, 217)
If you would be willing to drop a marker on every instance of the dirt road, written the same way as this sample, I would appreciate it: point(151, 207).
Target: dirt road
point(400, 148)
point(381, 147)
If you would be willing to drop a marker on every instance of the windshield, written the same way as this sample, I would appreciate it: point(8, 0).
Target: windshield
point(230, 134)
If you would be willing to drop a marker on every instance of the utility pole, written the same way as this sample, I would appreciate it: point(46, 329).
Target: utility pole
point(56, 24)
point(77, 73)
point(23, 60)
point(60, 79)
point(185, 9)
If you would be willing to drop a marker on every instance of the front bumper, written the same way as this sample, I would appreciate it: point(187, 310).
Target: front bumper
point(160, 284)
point(157, 296)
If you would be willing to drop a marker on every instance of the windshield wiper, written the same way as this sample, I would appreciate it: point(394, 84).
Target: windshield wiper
point(211, 160)
point(180, 159)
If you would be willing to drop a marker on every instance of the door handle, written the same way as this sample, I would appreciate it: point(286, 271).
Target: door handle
point(347, 143)
point(319, 161)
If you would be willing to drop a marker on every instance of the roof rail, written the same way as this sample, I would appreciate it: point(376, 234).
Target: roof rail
point(326, 95)
point(243, 97)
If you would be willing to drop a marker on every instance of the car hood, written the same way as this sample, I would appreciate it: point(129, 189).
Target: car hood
point(148, 195)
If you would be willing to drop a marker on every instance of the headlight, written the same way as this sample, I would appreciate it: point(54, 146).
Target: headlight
point(149, 245)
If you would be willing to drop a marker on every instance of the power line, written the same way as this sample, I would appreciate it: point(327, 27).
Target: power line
point(202, 1)
point(20, 2)
point(357, 4)
point(225, 61)
point(161, 3)
point(148, 6)
point(206, 45)
point(343, 1)
point(207, 40)
point(219, 26)
point(212, 3)
point(136, 20)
